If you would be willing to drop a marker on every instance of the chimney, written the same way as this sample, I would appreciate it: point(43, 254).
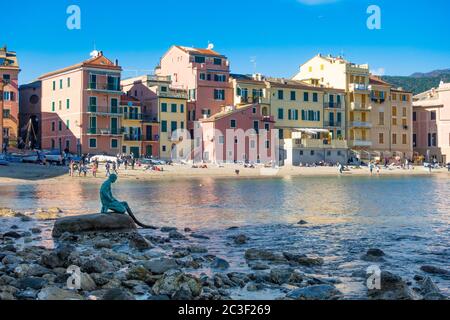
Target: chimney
point(117, 62)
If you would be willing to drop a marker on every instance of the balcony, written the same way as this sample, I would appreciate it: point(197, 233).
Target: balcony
point(132, 116)
point(359, 88)
point(105, 87)
point(357, 106)
point(249, 100)
point(360, 124)
point(322, 144)
point(332, 124)
point(131, 137)
point(379, 100)
point(154, 138)
point(332, 105)
point(105, 111)
point(172, 94)
point(104, 131)
point(359, 143)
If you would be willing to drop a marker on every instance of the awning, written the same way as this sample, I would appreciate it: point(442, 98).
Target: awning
point(311, 130)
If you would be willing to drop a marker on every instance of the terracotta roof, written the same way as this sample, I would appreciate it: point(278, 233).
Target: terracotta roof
point(293, 84)
point(227, 113)
point(206, 52)
point(100, 61)
point(378, 81)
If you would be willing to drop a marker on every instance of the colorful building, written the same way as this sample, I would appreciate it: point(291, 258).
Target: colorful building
point(80, 107)
point(239, 134)
point(164, 111)
point(30, 113)
point(9, 97)
point(391, 119)
point(336, 72)
point(131, 126)
point(431, 124)
point(204, 74)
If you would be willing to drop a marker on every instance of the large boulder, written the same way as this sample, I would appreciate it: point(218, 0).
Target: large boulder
point(316, 292)
point(93, 223)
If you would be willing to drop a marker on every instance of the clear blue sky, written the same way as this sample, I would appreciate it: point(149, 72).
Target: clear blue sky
point(279, 34)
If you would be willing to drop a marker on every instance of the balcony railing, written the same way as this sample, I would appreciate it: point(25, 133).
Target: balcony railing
point(359, 143)
point(378, 99)
point(323, 144)
point(132, 116)
point(333, 124)
point(105, 110)
point(104, 131)
point(104, 87)
point(172, 94)
point(132, 137)
point(358, 87)
point(357, 106)
point(154, 138)
point(360, 124)
point(332, 105)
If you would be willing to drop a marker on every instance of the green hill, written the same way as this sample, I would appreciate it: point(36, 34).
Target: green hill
point(419, 82)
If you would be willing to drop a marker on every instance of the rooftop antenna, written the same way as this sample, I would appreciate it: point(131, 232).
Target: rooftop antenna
point(94, 53)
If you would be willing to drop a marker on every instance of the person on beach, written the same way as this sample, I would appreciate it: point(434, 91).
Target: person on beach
point(371, 168)
point(94, 170)
point(108, 169)
point(114, 167)
point(71, 167)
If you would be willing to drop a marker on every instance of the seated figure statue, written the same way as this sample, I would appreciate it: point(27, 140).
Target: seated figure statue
point(109, 203)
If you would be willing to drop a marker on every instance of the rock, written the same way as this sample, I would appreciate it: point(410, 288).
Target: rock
point(175, 235)
point(138, 242)
point(280, 276)
point(160, 266)
point(95, 265)
point(103, 244)
point(168, 229)
point(12, 234)
point(93, 223)
point(139, 273)
point(32, 283)
point(259, 254)
point(178, 286)
point(87, 283)
point(392, 288)
point(434, 270)
point(36, 230)
point(11, 260)
point(253, 287)
point(197, 249)
point(199, 236)
point(374, 255)
point(57, 294)
point(375, 252)
point(117, 294)
point(51, 260)
point(259, 266)
point(30, 295)
point(187, 230)
point(302, 222)
point(303, 259)
point(317, 292)
point(220, 264)
point(241, 239)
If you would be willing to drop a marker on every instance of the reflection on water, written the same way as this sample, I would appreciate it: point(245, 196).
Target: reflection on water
point(407, 217)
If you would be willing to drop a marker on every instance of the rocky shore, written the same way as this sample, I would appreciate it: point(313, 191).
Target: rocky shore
point(133, 264)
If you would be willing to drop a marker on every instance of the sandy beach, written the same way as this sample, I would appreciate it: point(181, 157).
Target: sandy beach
point(28, 173)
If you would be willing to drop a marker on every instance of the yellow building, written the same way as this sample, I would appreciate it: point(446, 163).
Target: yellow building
point(131, 126)
point(163, 112)
point(336, 72)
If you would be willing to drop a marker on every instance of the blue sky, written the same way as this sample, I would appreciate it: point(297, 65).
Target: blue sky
point(278, 34)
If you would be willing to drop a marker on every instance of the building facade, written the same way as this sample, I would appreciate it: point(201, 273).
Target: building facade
point(30, 114)
point(431, 124)
point(164, 111)
point(204, 74)
point(80, 107)
point(9, 97)
point(131, 126)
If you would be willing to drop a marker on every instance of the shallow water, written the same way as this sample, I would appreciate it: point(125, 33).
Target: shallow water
point(407, 217)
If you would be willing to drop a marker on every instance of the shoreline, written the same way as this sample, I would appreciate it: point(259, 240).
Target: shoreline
point(31, 173)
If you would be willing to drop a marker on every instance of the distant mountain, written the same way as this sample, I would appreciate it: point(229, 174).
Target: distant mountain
point(419, 82)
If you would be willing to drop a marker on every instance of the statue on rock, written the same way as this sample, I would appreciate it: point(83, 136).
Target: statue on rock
point(109, 203)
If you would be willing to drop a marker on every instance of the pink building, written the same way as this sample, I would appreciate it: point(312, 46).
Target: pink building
point(9, 97)
point(204, 73)
point(431, 124)
point(239, 134)
point(80, 107)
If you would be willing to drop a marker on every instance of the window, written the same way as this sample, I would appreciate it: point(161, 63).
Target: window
point(394, 111)
point(381, 138)
point(232, 123)
point(61, 83)
point(280, 95)
point(163, 107)
point(163, 89)
point(256, 126)
point(54, 85)
point(68, 82)
point(267, 144)
point(381, 118)
point(202, 76)
point(394, 121)
point(68, 124)
point(67, 144)
point(92, 143)
point(182, 125)
point(404, 112)
point(306, 96)
point(414, 140)
point(199, 59)
point(7, 78)
point(281, 134)
point(252, 144)
point(114, 143)
point(433, 115)
point(60, 104)
point(217, 61)
point(68, 104)
point(174, 107)
point(293, 96)
point(60, 125)
point(163, 126)
point(173, 126)
point(220, 78)
point(181, 108)
point(219, 94)
point(192, 94)
point(221, 140)
point(53, 144)
point(53, 126)
point(414, 116)
point(404, 139)
point(312, 152)
point(53, 106)
point(315, 97)
point(394, 138)
point(254, 110)
point(280, 114)
point(164, 148)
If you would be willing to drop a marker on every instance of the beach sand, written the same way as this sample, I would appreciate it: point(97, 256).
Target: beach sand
point(29, 173)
